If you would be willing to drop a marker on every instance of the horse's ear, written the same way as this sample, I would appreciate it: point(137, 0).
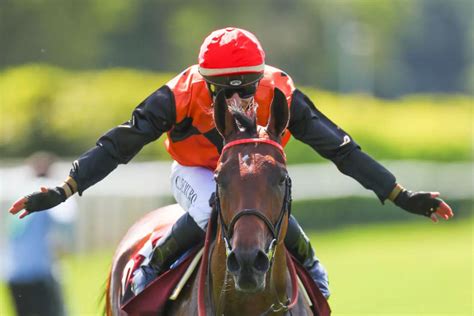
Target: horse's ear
point(279, 114)
point(225, 122)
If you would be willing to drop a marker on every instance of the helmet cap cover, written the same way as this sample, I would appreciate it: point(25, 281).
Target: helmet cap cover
point(231, 51)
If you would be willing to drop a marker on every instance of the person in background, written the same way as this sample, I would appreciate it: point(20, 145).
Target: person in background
point(30, 266)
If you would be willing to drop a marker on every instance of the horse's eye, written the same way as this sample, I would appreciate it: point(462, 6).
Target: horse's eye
point(282, 179)
point(219, 179)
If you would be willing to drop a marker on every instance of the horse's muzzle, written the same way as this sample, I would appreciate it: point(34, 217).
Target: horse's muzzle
point(248, 268)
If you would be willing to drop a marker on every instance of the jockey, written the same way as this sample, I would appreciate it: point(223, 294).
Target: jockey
point(232, 60)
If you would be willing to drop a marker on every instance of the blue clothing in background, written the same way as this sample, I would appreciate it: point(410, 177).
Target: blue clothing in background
point(29, 249)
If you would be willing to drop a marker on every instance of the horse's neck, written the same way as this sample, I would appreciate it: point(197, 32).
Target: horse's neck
point(227, 300)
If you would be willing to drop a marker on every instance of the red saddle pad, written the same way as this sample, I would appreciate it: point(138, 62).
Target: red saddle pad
point(320, 304)
point(152, 300)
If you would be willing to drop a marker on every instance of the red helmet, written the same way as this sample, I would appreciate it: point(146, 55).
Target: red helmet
point(231, 57)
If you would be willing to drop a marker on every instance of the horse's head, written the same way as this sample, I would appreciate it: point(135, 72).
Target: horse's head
point(253, 189)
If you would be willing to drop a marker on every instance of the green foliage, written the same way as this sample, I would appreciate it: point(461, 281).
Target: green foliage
point(388, 47)
point(425, 127)
point(45, 107)
point(66, 112)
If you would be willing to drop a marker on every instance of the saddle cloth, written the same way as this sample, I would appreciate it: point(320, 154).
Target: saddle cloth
point(155, 296)
point(152, 300)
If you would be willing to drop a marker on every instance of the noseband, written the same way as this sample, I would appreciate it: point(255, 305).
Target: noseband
point(227, 231)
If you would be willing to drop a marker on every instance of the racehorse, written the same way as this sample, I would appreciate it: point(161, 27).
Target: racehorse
point(246, 270)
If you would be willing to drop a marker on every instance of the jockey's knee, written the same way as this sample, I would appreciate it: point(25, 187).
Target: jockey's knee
point(200, 215)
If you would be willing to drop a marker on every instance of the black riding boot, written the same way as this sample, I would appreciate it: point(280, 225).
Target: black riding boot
point(300, 247)
point(184, 235)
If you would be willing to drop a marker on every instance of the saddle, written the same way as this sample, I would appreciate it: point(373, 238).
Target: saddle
point(167, 286)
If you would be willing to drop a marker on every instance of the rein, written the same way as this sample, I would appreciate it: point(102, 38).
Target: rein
point(275, 229)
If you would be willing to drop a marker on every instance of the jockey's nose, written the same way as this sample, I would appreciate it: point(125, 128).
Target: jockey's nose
point(252, 260)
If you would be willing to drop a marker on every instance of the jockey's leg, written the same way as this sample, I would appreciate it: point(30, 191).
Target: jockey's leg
point(184, 235)
point(300, 247)
point(192, 187)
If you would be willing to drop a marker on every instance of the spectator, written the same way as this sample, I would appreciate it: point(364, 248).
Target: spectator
point(31, 271)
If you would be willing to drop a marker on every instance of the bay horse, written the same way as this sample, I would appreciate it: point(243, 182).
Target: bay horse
point(247, 270)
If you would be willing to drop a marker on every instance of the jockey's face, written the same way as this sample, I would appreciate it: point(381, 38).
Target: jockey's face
point(244, 92)
point(239, 96)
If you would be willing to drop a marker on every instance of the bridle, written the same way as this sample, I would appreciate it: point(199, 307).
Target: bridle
point(275, 229)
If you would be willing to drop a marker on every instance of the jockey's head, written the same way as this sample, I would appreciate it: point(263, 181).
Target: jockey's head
point(232, 60)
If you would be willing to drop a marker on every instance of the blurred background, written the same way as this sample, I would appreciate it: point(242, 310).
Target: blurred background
point(396, 75)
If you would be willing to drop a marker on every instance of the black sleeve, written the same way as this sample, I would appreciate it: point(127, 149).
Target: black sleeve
point(150, 119)
point(310, 126)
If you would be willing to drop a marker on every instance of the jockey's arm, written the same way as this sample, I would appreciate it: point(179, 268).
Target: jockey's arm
point(312, 127)
point(150, 119)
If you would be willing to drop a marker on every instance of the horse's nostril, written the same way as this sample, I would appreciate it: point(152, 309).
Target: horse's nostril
point(261, 263)
point(232, 263)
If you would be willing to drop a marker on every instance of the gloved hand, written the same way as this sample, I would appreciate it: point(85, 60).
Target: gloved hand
point(39, 201)
point(423, 203)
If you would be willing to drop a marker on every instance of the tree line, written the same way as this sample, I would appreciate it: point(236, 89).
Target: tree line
point(385, 48)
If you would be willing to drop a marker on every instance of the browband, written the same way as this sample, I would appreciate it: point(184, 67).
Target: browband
point(255, 140)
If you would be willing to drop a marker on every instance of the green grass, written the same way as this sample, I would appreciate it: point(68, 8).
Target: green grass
point(409, 269)
point(85, 282)
point(398, 269)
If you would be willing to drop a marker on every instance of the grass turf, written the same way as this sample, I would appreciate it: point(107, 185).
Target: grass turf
point(396, 269)
point(410, 269)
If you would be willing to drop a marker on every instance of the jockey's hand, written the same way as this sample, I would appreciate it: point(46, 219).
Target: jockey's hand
point(39, 201)
point(424, 203)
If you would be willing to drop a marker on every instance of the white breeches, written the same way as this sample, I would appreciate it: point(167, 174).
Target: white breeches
point(192, 188)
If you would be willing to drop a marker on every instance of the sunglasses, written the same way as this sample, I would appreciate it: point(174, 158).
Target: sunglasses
point(243, 92)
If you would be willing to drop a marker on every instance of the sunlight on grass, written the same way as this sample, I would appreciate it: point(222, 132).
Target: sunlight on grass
point(400, 269)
